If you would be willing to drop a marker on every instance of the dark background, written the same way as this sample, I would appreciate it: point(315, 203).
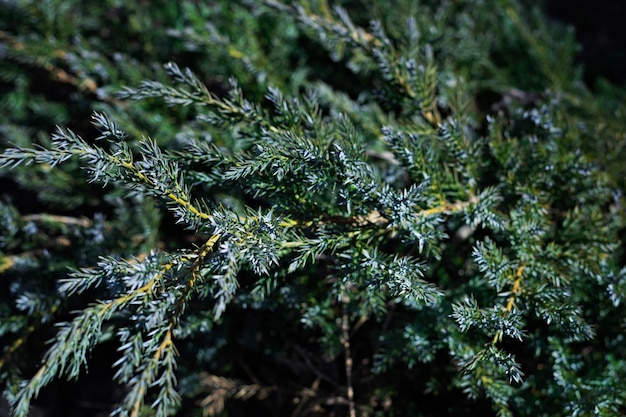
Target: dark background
point(601, 32)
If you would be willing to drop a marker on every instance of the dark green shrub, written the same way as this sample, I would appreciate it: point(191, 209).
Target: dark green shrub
point(397, 230)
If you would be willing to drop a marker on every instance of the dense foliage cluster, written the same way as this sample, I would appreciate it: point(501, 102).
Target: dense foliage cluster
point(299, 209)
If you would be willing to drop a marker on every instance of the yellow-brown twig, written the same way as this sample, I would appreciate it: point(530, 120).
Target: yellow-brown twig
point(510, 302)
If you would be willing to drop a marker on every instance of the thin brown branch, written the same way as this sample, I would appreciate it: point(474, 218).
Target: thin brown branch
point(53, 218)
point(345, 339)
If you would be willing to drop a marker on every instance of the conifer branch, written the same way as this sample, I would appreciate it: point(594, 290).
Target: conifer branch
point(474, 250)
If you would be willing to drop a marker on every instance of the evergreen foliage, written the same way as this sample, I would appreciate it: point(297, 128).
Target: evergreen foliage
point(412, 226)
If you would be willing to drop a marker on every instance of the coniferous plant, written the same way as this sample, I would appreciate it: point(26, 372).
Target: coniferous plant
point(375, 251)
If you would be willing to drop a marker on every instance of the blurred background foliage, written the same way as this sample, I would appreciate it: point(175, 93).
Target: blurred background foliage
point(61, 60)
